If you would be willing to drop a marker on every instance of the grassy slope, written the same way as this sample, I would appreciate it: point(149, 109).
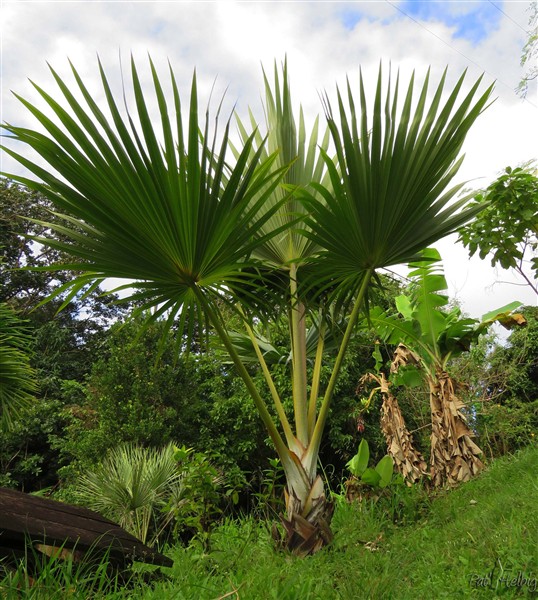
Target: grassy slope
point(488, 524)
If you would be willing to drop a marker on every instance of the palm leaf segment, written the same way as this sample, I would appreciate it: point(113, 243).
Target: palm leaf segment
point(393, 196)
point(163, 211)
point(299, 151)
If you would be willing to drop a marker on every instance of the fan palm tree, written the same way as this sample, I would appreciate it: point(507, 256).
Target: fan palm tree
point(132, 485)
point(166, 209)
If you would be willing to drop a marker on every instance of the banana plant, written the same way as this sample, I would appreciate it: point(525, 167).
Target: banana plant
point(427, 335)
point(408, 460)
point(366, 481)
point(286, 228)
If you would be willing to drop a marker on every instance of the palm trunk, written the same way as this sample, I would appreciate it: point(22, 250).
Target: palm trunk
point(454, 456)
point(307, 522)
point(308, 512)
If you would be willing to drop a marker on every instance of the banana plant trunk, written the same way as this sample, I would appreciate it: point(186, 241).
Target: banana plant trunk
point(454, 455)
point(408, 461)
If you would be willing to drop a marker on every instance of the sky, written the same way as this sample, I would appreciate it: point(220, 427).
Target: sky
point(324, 41)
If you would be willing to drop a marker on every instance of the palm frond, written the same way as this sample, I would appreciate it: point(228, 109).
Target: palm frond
point(146, 204)
point(131, 486)
point(393, 196)
point(288, 139)
point(17, 378)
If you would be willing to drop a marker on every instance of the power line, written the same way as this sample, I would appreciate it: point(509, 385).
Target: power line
point(467, 58)
point(509, 17)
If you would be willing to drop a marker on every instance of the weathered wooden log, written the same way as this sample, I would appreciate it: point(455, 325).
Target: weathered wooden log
point(50, 523)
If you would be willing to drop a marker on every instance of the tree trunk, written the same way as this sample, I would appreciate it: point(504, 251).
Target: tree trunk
point(307, 522)
point(454, 456)
point(408, 461)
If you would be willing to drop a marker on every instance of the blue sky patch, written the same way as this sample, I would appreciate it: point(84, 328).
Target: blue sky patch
point(472, 21)
point(350, 17)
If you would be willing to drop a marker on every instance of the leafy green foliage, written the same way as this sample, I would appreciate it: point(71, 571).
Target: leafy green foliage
point(30, 455)
point(429, 327)
point(40, 576)
point(19, 208)
point(395, 165)
point(507, 388)
point(195, 504)
point(507, 228)
point(161, 211)
point(301, 154)
point(154, 493)
point(130, 397)
point(380, 476)
point(130, 486)
point(64, 344)
point(270, 498)
point(17, 378)
point(25, 280)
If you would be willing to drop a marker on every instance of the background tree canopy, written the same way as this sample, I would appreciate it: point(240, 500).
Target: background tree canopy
point(507, 229)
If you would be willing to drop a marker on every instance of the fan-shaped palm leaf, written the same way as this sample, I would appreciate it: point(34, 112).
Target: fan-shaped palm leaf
point(157, 210)
point(162, 208)
point(293, 146)
point(392, 197)
point(131, 486)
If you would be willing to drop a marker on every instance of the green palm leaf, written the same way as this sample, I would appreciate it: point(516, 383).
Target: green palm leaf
point(160, 207)
point(288, 139)
point(131, 486)
point(393, 195)
point(281, 354)
point(17, 378)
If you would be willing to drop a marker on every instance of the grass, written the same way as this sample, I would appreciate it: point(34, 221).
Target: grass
point(39, 577)
point(478, 541)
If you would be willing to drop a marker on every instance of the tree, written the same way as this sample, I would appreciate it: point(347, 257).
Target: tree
point(508, 389)
point(64, 341)
point(130, 397)
point(508, 227)
point(64, 345)
point(19, 208)
point(166, 209)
